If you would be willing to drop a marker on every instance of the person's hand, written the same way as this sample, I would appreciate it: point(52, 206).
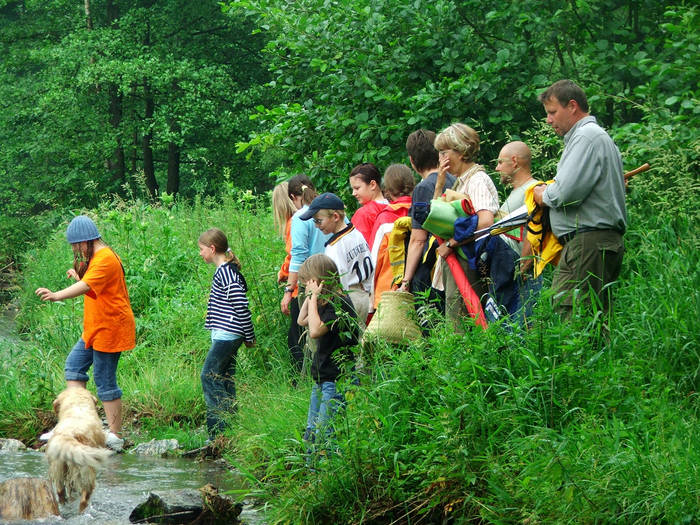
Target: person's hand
point(45, 294)
point(284, 303)
point(72, 274)
point(249, 344)
point(525, 268)
point(313, 287)
point(443, 250)
point(444, 164)
point(537, 194)
point(404, 286)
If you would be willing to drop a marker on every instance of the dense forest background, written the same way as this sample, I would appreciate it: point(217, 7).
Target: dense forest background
point(145, 98)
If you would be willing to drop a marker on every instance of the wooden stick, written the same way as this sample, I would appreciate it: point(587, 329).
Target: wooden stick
point(644, 167)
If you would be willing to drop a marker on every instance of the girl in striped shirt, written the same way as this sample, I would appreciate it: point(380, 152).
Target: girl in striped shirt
point(229, 319)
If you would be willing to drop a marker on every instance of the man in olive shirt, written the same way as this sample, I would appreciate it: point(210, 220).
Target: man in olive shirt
point(586, 202)
point(515, 169)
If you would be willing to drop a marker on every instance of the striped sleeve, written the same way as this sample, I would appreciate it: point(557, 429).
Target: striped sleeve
point(228, 308)
point(482, 192)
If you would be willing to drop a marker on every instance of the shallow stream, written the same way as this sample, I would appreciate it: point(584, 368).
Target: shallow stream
point(126, 482)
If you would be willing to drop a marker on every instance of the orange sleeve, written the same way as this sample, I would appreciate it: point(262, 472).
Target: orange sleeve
point(284, 269)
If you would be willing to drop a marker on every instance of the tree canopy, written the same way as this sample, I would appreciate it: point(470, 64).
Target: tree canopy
point(142, 98)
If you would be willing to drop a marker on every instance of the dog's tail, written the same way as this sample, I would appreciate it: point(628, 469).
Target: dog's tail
point(67, 449)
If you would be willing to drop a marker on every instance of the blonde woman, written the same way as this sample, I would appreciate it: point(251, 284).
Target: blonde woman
point(458, 147)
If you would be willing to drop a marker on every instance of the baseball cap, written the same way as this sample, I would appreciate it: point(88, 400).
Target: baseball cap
point(325, 201)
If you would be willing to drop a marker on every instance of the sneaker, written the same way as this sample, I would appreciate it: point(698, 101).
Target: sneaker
point(113, 441)
point(46, 436)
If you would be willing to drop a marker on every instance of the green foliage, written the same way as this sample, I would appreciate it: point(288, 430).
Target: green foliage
point(554, 425)
point(169, 286)
point(179, 75)
point(353, 79)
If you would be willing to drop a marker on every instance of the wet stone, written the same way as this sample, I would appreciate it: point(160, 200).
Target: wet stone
point(27, 498)
point(159, 447)
point(203, 506)
point(11, 445)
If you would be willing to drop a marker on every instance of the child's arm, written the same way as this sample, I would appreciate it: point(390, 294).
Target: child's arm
point(74, 290)
point(303, 319)
point(317, 328)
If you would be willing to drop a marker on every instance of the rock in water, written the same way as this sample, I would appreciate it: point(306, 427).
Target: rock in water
point(203, 506)
point(27, 498)
point(11, 445)
point(154, 447)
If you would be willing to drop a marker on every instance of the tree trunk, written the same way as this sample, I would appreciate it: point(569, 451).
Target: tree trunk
point(134, 152)
point(148, 168)
point(117, 163)
point(173, 168)
point(88, 15)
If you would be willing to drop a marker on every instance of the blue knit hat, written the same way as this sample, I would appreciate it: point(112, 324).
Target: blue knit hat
point(80, 229)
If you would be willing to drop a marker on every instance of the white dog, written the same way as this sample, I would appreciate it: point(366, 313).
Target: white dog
point(76, 447)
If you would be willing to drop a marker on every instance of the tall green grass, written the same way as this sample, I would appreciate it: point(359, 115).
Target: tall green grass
point(565, 423)
point(169, 286)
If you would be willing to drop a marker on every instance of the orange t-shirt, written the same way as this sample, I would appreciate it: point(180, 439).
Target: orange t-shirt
point(108, 322)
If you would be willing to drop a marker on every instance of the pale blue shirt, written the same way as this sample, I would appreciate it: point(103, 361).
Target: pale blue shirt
point(589, 188)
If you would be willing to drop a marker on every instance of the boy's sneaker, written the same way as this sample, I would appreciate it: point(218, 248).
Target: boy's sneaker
point(113, 441)
point(46, 436)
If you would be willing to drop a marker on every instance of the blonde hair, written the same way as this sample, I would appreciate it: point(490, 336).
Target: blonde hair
point(321, 268)
point(398, 181)
point(329, 212)
point(461, 138)
point(215, 237)
point(282, 207)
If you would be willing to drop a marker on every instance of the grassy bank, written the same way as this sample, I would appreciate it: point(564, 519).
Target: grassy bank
point(552, 426)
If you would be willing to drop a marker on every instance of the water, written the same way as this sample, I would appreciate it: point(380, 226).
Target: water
point(126, 482)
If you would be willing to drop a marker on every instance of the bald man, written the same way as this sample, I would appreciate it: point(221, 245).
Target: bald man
point(514, 166)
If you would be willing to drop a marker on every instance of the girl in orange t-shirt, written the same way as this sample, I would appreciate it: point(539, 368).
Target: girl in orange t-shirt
point(108, 322)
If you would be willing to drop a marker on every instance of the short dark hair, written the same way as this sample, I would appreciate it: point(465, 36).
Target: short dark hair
point(565, 90)
point(420, 147)
point(367, 172)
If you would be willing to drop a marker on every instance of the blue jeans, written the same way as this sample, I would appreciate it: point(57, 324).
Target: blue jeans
point(324, 403)
point(529, 292)
point(217, 382)
point(81, 359)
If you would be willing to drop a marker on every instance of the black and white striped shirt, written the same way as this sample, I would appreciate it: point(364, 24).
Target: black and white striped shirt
point(228, 309)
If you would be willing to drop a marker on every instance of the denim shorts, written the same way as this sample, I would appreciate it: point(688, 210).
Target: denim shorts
point(105, 369)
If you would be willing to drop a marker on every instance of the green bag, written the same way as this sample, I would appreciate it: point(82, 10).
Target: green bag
point(442, 216)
